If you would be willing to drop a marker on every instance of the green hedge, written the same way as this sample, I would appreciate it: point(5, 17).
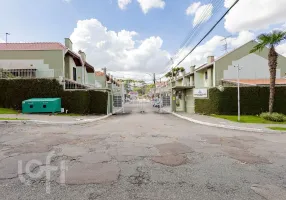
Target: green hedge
point(253, 101)
point(14, 91)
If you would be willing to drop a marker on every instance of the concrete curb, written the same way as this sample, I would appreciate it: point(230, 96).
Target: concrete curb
point(257, 130)
point(53, 122)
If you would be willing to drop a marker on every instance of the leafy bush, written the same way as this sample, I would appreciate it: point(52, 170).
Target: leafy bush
point(253, 101)
point(14, 91)
point(275, 117)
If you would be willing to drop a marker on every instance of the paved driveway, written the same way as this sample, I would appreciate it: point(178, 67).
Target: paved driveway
point(140, 156)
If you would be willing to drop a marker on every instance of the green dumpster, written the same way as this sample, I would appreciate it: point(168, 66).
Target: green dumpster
point(42, 105)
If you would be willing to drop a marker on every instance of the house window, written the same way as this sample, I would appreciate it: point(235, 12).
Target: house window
point(206, 75)
point(74, 73)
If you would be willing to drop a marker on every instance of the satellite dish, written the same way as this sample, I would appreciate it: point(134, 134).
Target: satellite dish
point(220, 88)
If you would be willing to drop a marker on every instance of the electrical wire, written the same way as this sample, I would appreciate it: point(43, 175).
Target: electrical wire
point(208, 33)
point(194, 32)
point(227, 11)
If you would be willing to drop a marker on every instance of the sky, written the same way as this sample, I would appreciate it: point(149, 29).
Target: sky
point(135, 37)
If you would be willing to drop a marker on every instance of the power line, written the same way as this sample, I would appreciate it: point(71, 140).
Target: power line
point(207, 33)
point(191, 33)
point(195, 31)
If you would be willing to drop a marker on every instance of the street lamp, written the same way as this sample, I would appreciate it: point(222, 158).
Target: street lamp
point(238, 92)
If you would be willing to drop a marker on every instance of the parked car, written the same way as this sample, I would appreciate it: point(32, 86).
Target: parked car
point(157, 103)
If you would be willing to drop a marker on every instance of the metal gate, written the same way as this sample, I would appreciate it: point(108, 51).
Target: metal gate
point(117, 103)
point(165, 103)
point(118, 100)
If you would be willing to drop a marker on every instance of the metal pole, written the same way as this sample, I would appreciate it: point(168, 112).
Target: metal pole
point(7, 37)
point(154, 80)
point(238, 94)
point(160, 94)
point(122, 98)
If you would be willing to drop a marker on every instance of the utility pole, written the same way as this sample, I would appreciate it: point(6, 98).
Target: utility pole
point(105, 79)
point(154, 81)
point(238, 92)
point(160, 101)
point(7, 37)
point(172, 69)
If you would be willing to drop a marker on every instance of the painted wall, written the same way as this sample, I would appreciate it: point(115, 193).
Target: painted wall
point(91, 78)
point(44, 60)
point(79, 73)
point(200, 79)
point(43, 70)
point(223, 63)
point(252, 66)
point(69, 65)
point(99, 81)
point(190, 102)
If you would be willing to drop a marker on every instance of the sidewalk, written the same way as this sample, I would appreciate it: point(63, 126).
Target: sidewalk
point(50, 119)
point(223, 123)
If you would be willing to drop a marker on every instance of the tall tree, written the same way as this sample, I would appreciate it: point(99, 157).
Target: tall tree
point(270, 40)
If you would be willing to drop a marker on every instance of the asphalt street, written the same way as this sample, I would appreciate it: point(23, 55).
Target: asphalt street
point(140, 155)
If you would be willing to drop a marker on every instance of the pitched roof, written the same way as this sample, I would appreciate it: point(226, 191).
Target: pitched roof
point(206, 65)
point(98, 73)
point(32, 46)
point(280, 81)
point(89, 67)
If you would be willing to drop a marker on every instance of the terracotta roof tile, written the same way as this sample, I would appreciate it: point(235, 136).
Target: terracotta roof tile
point(98, 73)
point(32, 46)
point(258, 81)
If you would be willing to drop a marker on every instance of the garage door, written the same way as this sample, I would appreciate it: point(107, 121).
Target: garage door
point(190, 103)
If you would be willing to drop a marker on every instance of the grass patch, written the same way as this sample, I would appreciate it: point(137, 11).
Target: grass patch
point(247, 119)
point(8, 111)
point(277, 128)
point(4, 119)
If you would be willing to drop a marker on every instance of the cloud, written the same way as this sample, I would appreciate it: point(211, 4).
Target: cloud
point(67, 1)
point(212, 48)
point(2, 41)
point(242, 38)
point(281, 49)
point(228, 3)
point(193, 8)
point(146, 5)
point(254, 15)
point(122, 51)
point(202, 13)
point(123, 3)
point(118, 51)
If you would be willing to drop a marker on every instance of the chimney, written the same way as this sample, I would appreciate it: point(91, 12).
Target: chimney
point(192, 68)
point(82, 55)
point(210, 59)
point(68, 43)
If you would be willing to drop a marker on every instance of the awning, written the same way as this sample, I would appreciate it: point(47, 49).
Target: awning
point(89, 68)
point(178, 87)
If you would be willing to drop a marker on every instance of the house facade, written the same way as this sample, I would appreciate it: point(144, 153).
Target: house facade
point(222, 71)
point(46, 60)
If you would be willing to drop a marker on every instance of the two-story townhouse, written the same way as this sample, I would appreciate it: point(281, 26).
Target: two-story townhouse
point(222, 71)
point(46, 60)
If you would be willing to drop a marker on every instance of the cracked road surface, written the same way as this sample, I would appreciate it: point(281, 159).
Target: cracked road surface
point(142, 156)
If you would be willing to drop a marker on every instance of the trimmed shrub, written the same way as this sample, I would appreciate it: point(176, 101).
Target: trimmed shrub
point(76, 101)
point(253, 101)
point(275, 117)
point(14, 91)
point(98, 102)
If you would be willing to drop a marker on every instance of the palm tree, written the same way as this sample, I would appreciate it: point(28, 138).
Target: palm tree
point(270, 40)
